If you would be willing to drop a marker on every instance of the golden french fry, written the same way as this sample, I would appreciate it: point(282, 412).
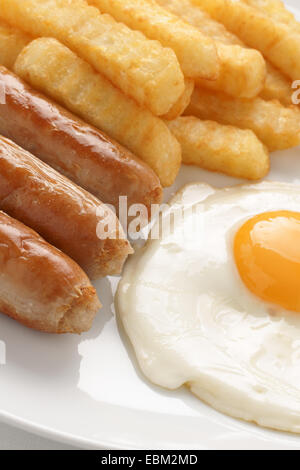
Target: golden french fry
point(279, 43)
point(193, 15)
point(183, 101)
point(277, 10)
point(52, 68)
point(12, 42)
point(196, 53)
point(226, 149)
point(277, 86)
point(278, 127)
point(141, 68)
point(242, 71)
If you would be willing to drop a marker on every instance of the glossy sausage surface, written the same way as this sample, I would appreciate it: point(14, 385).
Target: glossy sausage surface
point(76, 149)
point(64, 214)
point(40, 286)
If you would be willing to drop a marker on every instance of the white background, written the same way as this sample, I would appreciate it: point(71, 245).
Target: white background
point(14, 439)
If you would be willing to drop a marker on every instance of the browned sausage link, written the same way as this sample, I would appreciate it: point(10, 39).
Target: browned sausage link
point(40, 286)
point(60, 211)
point(78, 150)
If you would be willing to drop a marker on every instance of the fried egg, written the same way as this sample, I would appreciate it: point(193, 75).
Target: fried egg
point(214, 303)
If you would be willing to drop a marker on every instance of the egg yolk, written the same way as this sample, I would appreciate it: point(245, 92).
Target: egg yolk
point(267, 255)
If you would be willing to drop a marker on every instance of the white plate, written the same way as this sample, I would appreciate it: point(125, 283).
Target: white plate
point(88, 391)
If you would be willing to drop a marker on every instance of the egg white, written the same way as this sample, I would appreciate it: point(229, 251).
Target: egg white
point(192, 321)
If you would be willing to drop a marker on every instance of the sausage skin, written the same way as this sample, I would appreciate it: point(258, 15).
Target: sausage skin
point(64, 214)
point(41, 287)
point(79, 151)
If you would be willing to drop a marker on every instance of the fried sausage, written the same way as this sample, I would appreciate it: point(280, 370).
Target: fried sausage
point(79, 151)
point(40, 286)
point(64, 214)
